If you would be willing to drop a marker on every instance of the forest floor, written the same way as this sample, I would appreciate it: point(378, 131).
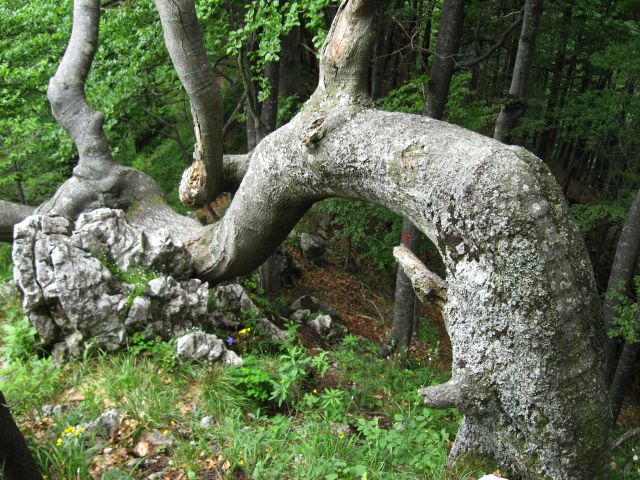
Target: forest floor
point(305, 408)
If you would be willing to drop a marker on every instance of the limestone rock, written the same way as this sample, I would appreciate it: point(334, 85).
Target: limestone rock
point(233, 298)
point(105, 426)
point(231, 358)
point(300, 316)
point(321, 325)
point(312, 246)
point(269, 330)
point(200, 346)
point(206, 422)
point(311, 303)
point(77, 284)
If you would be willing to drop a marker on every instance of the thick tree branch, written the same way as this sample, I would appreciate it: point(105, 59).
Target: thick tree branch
point(67, 97)
point(185, 44)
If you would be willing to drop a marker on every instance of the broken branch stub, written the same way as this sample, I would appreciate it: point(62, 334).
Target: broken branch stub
point(426, 284)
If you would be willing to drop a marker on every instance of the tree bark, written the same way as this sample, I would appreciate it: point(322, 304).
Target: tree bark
point(185, 43)
point(623, 377)
point(516, 104)
point(522, 309)
point(443, 63)
point(405, 301)
point(16, 461)
point(290, 82)
point(621, 278)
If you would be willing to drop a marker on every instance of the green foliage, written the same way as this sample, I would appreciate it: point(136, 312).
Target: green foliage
point(164, 353)
point(255, 382)
point(372, 230)
point(589, 216)
point(625, 323)
point(267, 21)
point(460, 109)
point(70, 456)
point(412, 441)
point(19, 338)
point(6, 264)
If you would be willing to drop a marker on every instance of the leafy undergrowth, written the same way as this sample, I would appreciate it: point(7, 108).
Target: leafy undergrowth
point(288, 412)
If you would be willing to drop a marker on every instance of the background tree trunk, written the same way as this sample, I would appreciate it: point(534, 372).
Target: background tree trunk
point(443, 63)
point(516, 104)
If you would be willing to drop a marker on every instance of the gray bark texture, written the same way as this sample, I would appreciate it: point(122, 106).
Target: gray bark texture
point(404, 306)
point(201, 182)
point(522, 310)
point(516, 104)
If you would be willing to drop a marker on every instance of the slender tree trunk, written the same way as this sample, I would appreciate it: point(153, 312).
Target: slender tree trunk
point(290, 77)
point(185, 43)
point(516, 105)
point(443, 64)
point(16, 461)
point(380, 49)
point(404, 312)
point(270, 280)
point(623, 378)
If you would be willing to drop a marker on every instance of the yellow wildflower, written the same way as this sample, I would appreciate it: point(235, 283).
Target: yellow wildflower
point(59, 442)
point(244, 331)
point(341, 435)
point(241, 463)
point(165, 432)
point(315, 391)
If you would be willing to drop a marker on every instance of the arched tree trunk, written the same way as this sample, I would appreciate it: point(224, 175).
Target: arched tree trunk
point(521, 311)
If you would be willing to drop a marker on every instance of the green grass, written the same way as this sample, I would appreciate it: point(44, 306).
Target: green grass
point(359, 418)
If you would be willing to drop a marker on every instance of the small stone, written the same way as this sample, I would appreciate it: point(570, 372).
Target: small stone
point(300, 316)
point(199, 346)
point(311, 303)
point(141, 449)
point(269, 330)
point(206, 422)
point(321, 325)
point(107, 424)
point(492, 477)
point(231, 358)
point(158, 439)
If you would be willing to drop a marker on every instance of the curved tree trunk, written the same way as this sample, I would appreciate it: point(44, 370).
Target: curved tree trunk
point(621, 278)
point(522, 310)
